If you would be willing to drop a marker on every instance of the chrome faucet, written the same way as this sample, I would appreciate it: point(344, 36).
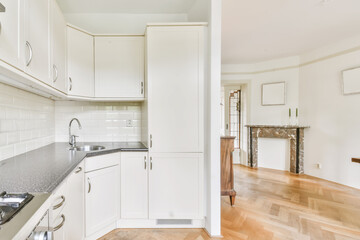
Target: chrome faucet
point(72, 138)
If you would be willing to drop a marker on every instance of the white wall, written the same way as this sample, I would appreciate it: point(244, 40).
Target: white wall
point(333, 137)
point(119, 23)
point(101, 122)
point(26, 121)
point(210, 11)
point(272, 152)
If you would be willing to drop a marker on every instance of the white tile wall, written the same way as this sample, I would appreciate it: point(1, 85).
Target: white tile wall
point(26, 121)
point(101, 122)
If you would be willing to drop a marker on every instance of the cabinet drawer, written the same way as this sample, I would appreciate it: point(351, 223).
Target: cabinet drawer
point(59, 202)
point(103, 161)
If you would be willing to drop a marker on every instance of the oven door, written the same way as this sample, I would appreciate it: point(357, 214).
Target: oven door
point(42, 230)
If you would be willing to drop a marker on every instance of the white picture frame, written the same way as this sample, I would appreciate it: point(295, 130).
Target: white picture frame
point(273, 94)
point(351, 81)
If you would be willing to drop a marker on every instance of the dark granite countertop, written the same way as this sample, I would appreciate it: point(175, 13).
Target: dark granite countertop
point(43, 169)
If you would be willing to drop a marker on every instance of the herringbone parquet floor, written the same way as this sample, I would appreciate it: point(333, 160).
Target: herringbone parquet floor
point(273, 204)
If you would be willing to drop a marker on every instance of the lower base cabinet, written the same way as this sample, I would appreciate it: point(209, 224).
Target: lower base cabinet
point(176, 186)
point(134, 185)
point(101, 198)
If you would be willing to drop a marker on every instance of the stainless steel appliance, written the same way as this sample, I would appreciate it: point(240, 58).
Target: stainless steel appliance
point(42, 230)
point(11, 204)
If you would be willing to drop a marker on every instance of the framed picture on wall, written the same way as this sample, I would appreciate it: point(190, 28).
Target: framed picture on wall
point(273, 94)
point(351, 81)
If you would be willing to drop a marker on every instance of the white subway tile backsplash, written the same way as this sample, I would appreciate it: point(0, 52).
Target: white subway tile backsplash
point(26, 121)
point(102, 122)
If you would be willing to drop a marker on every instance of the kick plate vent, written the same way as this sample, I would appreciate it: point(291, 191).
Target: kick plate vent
point(173, 221)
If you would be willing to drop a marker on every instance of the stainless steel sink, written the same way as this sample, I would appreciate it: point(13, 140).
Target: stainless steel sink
point(87, 148)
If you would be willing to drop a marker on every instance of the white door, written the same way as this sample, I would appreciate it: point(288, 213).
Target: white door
point(9, 35)
point(80, 63)
point(175, 186)
point(58, 47)
point(37, 39)
point(119, 67)
point(101, 198)
point(134, 185)
point(75, 208)
point(175, 57)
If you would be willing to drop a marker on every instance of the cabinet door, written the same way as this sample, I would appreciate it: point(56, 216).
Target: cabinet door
point(119, 67)
point(9, 35)
point(75, 205)
point(134, 185)
point(175, 79)
point(80, 63)
point(175, 186)
point(58, 48)
point(102, 198)
point(37, 39)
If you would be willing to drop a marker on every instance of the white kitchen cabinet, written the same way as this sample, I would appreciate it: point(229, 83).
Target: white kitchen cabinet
point(134, 185)
point(119, 67)
point(101, 198)
point(80, 58)
point(75, 207)
point(37, 39)
point(175, 73)
point(10, 33)
point(58, 48)
point(175, 186)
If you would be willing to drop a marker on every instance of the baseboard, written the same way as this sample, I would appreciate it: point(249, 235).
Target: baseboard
point(152, 223)
point(102, 232)
point(213, 236)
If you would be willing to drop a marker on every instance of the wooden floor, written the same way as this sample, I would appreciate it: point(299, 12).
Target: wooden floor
point(273, 204)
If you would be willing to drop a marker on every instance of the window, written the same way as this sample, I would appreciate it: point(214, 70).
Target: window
point(234, 116)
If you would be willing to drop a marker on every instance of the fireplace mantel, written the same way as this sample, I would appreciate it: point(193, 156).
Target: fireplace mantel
point(295, 133)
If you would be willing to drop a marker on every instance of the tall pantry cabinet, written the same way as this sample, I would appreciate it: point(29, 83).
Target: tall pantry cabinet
point(175, 77)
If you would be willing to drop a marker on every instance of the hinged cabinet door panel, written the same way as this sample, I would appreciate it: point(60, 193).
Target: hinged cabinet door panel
point(175, 57)
point(134, 185)
point(10, 33)
point(119, 67)
point(175, 186)
point(101, 198)
point(37, 39)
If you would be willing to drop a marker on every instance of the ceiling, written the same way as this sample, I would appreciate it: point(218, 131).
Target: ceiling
point(125, 6)
point(260, 30)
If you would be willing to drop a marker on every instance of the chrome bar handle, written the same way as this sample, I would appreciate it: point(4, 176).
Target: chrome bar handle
point(145, 162)
point(150, 140)
point(30, 53)
point(78, 170)
point(60, 204)
point(61, 224)
point(70, 80)
point(56, 73)
point(89, 185)
point(142, 88)
point(150, 163)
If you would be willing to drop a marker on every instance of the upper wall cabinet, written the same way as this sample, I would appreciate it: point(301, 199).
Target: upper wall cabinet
point(80, 46)
point(58, 48)
point(37, 39)
point(175, 75)
point(119, 67)
point(9, 33)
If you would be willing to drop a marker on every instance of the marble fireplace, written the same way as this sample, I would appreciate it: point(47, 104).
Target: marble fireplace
point(294, 133)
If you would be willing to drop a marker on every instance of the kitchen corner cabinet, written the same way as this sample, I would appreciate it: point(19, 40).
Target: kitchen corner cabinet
point(175, 75)
point(175, 186)
point(37, 39)
point(75, 208)
point(119, 67)
point(58, 48)
point(102, 195)
point(80, 58)
point(134, 169)
point(9, 34)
